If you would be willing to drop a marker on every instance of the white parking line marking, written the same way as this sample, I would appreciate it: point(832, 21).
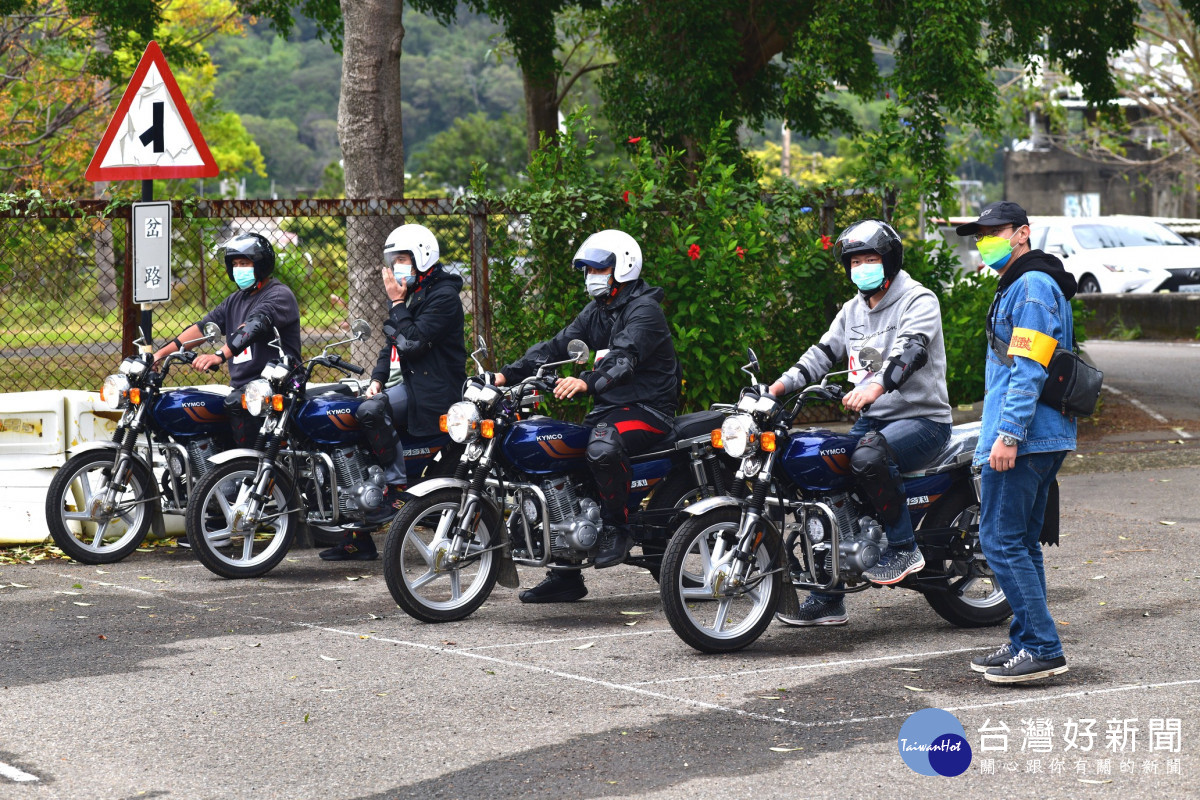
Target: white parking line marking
point(14, 774)
point(822, 665)
point(557, 641)
point(1145, 408)
point(1182, 433)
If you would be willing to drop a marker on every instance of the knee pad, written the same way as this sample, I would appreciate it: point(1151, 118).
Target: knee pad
point(375, 417)
point(869, 463)
point(605, 448)
point(374, 412)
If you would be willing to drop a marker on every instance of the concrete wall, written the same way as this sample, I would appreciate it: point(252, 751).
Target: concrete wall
point(1160, 316)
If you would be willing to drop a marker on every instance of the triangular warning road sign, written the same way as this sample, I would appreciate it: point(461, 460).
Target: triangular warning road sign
point(152, 135)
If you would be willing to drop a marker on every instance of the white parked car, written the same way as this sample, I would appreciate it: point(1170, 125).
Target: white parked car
point(1119, 254)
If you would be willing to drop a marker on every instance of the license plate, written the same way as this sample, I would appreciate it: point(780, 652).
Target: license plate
point(1191, 287)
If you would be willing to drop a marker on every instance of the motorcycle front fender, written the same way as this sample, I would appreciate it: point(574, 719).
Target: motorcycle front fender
point(435, 484)
point(237, 452)
point(709, 504)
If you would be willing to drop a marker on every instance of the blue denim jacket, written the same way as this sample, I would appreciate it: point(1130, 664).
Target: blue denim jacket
point(1035, 304)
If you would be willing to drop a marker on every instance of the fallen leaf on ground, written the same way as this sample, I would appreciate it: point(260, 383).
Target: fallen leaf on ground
point(101, 572)
point(18, 586)
point(1167, 522)
point(353, 578)
point(81, 604)
point(634, 613)
point(449, 643)
point(147, 607)
point(1098, 577)
point(768, 697)
point(372, 616)
point(60, 592)
point(330, 658)
point(785, 749)
point(584, 646)
point(631, 624)
point(102, 636)
point(915, 688)
point(907, 669)
point(256, 644)
point(1089, 780)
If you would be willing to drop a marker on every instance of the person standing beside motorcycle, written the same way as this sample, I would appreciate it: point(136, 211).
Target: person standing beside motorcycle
point(635, 385)
point(1022, 442)
point(905, 417)
point(251, 314)
point(420, 371)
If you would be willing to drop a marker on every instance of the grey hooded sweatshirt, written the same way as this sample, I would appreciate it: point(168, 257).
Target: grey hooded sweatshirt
point(906, 310)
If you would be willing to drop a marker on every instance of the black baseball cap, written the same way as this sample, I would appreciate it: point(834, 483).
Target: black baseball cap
point(1001, 212)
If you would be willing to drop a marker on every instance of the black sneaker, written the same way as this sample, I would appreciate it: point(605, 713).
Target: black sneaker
point(353, 547)
point(816, 611)
point(615, 546)
point(895, 565)
point(1024, 667)
point(996, 659)
point(560, 586)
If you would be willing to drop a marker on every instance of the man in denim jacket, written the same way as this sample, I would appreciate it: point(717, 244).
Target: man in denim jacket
point(1022, 442)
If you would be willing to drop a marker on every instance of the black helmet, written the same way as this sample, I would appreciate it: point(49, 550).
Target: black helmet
point(255, 247)
point(871, 236)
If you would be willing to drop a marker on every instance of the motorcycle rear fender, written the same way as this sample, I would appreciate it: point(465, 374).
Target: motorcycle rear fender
point(156, 520)
point(237, 452)
point(707, 505)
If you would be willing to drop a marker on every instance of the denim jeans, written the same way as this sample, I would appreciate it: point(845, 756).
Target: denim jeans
point(1012, 506)
point(914, 442)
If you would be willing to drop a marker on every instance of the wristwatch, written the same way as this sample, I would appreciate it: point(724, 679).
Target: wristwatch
point(1008, 441)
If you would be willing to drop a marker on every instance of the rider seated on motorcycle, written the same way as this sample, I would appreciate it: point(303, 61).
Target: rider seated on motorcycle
point(904, 408)
point(635, 386)
point(420, 371)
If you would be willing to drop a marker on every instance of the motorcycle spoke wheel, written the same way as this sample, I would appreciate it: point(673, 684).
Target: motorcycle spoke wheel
point(89, 539)
point(702, 608)
point(420, 575)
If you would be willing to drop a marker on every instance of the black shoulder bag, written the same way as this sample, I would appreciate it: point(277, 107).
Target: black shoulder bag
point(1072, 385)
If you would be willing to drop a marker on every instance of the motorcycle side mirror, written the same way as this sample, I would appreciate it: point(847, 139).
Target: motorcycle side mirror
point(751, 368)
point(213, 332)
point(360, 329)
point(871, 358)
point(482, 347)
point(578, 351)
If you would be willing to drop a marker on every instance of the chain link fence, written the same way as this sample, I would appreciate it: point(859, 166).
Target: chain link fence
point(66, 311)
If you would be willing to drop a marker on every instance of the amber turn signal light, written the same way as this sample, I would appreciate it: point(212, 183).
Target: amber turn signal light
point(277, 402)
point(135, 396)
point(767, 442)
point(441, 421)
point(487, 428)
point(717, 441)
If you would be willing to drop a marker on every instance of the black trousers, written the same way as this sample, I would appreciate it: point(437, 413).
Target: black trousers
point(619, 433)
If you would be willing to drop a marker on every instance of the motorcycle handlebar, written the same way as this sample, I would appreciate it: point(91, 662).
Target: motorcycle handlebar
point(340, 363)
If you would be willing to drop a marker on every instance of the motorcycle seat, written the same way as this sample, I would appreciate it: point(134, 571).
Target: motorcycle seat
point(958, 451)
point(689, 426)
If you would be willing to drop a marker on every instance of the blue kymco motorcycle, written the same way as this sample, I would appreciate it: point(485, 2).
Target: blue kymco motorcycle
point(103, 500)
point(522, 493)
point(795, 514)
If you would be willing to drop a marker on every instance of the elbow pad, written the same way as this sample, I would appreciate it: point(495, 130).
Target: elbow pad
point(899, 368)
point(407, 348)
point(256, 328)
point(616, 370)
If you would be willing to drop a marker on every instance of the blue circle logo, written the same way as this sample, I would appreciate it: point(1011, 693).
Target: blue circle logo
point(933, 742)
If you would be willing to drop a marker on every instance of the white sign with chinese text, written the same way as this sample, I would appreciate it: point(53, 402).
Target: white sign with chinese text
point(151, 252)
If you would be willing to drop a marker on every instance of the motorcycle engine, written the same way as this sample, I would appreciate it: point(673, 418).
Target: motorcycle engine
point(861, 538)
point(574, 522)
point(360, 486)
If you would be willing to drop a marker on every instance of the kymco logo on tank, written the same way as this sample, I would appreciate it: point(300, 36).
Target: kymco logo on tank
point(933, 742)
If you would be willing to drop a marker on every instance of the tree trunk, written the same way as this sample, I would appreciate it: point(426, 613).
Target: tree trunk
point(541, 100)
point(369, 129)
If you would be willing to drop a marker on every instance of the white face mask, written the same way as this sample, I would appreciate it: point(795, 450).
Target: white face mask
point(597, 285)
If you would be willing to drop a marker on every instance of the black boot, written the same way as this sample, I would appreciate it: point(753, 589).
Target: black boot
point(355, 546)
point(560, 586)
point(615, 546)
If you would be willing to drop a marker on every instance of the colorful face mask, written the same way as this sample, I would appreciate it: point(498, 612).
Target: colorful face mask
point(867, 277)
point(243, 277)
point(597, 285)
point(995, 250)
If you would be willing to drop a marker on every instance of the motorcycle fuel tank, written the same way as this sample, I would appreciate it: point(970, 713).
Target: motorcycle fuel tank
point(545, 446)
point(819, 460)
point(330, 419)
point(188, 412)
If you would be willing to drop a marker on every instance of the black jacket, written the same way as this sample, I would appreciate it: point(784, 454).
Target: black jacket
point(427, 331)
point(640, 366)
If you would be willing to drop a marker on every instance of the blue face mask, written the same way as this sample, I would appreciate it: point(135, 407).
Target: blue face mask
point(867, 277)
point(402, 276)
point(243, 277)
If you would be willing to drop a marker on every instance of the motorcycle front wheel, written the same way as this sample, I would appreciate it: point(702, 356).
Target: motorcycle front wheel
point(971, 597)
point(419, 575)
point(701, 609)
point(77, 533)
point(225, 547)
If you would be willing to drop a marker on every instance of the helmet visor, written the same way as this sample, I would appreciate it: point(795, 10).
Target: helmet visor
point(594, 258)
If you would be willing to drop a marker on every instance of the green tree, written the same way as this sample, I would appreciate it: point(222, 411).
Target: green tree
point(448, 158)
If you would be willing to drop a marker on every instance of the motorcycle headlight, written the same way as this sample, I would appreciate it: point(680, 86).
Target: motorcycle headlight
point(115, 391)
point(740, 435)
point(462, 422)
point(255, 395)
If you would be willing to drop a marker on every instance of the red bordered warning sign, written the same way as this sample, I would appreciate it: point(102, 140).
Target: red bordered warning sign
point(152, 135)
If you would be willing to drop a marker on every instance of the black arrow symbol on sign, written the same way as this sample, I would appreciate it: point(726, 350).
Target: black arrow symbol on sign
point(155, 132)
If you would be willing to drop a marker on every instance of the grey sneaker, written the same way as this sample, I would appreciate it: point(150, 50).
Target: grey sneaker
point(816, 611)
point(895, 565)
point(996, 659)
point(1024, 667)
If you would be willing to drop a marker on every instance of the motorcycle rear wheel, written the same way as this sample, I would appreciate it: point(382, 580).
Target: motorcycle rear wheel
point(233, 554)
point(731, 621)
point(88, 540)
point(967, 601)
point(418, 579)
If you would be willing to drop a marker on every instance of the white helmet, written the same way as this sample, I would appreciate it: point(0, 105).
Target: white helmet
point(415, 239)
point(611, 248)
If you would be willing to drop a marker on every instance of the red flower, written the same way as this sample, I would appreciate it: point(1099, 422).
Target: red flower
point(625, 196)
point(694, 252)
point(633, 140)
point(741, 253)
point(826, 242)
